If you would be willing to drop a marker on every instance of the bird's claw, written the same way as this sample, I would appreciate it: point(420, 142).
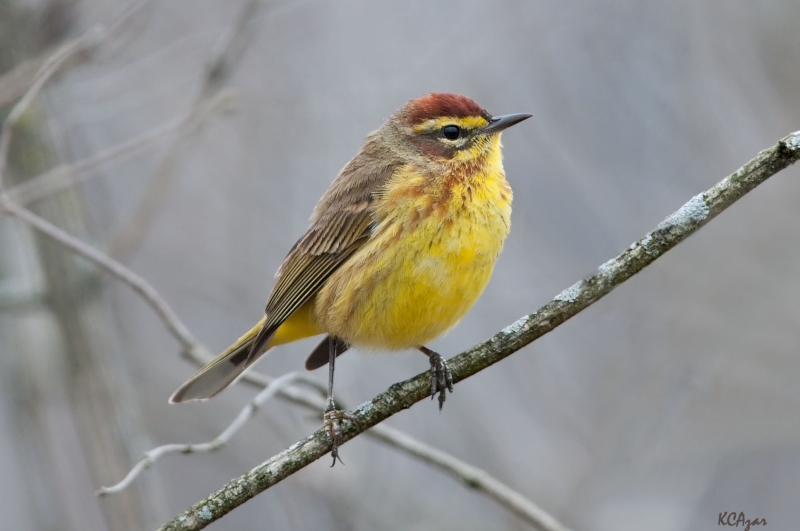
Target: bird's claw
point(332, 419)
point(441, 377)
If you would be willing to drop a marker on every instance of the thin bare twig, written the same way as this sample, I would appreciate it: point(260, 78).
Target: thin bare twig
point(65, 176)
point(87, 40)
point(247, 413)
point(48, 70)
point(91, 38)
point(140, 285)
point(674, 229)
point(230, 48)
point(16, 81)
point(227, 53)
point(471, 476)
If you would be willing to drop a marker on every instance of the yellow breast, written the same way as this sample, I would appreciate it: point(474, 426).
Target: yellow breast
point(429, 258)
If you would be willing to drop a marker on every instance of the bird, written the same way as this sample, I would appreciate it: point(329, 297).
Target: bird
point(398, 249)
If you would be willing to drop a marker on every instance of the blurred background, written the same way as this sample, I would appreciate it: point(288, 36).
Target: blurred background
point(672, 400)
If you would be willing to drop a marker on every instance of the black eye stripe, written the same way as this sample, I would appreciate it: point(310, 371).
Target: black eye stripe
point(451, 132)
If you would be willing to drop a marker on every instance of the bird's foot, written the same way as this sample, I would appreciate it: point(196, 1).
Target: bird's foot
point(332, 421)
point(441, 377)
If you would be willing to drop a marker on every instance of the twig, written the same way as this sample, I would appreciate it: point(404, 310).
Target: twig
point(48, 69)
point(244, 416)
point(91, 38)
point(471, 476)
point(87, 40)
point(66, 176)
point(677, 227)
point(192, 348)
point(16, 81)
point(140, 285)
point(230, 48)
point(226, 54)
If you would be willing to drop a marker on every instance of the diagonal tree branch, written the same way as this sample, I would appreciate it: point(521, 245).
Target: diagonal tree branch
point(698, 211)
point(469, 475)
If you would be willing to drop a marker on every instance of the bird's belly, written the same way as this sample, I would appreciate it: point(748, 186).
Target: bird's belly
point(407, 286)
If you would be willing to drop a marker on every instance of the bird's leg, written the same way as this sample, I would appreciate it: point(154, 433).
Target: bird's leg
point(441, 377)
point(332, 416)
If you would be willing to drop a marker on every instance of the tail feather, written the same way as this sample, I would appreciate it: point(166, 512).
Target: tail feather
point(224, 369)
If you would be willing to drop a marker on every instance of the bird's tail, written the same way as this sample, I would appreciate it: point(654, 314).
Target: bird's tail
point(222, 370)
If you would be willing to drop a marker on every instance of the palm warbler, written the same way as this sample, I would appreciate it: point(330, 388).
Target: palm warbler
point(400, 246)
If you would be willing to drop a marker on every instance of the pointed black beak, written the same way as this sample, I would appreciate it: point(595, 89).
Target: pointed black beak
point(498, 123)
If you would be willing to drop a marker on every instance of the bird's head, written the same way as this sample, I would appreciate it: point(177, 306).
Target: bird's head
point(450, 127)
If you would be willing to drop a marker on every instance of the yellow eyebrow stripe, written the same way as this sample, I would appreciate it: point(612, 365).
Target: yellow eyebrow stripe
point(470, 122)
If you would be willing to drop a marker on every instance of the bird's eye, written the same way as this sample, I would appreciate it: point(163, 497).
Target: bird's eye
point(451, 132)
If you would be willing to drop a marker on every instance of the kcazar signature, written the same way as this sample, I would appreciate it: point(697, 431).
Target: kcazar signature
point(734, 519)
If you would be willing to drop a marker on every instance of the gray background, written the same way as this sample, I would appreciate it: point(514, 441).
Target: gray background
point(670, 401)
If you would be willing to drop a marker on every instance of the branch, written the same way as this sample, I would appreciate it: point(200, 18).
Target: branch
point(231, 47)
point(471, 476)
point(88, 40)
point(226, 54)
point(47, 71)
point(698, 211)
point(221, 440)
point(65, 176)
point(16, 81)
point(140, 285)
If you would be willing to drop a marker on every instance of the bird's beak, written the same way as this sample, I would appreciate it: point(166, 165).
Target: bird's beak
point(498, 123)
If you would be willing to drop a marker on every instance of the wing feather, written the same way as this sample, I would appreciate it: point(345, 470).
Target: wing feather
point(340, 224)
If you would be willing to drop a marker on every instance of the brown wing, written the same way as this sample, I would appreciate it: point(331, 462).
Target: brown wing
point(310, 263)
point(340, 224)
